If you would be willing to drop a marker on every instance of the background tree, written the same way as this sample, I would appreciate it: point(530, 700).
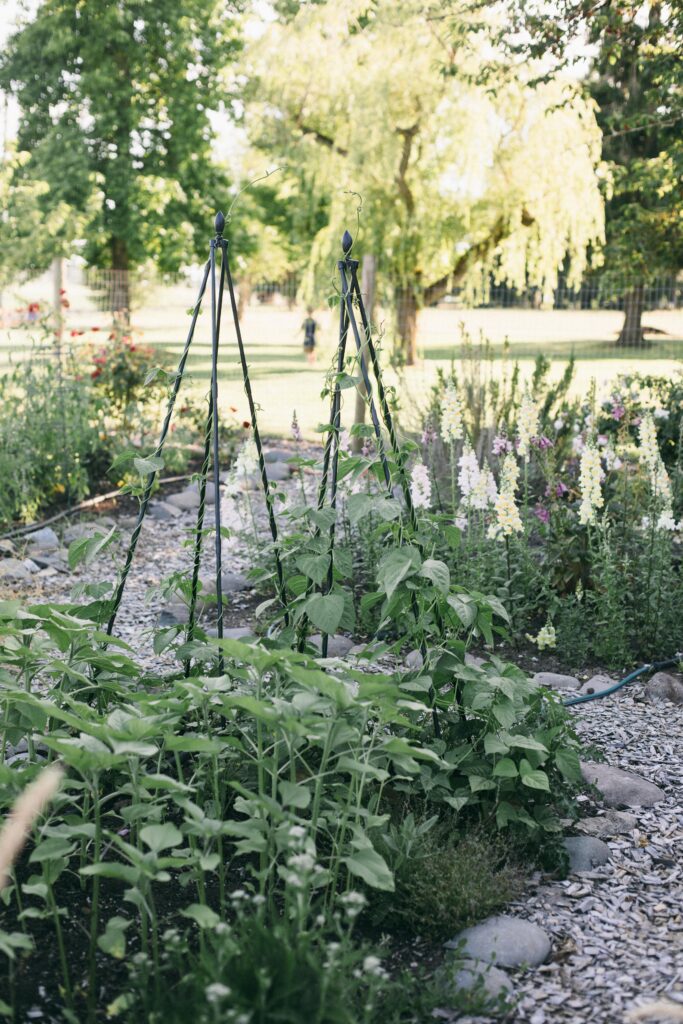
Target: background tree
point(456, 178)
point(636, 76)
point(115, 102)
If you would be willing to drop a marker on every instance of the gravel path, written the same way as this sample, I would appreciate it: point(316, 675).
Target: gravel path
point(617, 931)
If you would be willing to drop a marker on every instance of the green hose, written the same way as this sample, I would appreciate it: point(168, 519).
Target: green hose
point(654, 667)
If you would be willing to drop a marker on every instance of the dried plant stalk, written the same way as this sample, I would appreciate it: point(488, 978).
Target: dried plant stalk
point(27, 808)
point(661, 1010)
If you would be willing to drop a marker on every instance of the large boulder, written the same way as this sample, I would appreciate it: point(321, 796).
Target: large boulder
point(620, 788)
point(556, 681)
point(586, 853)
point(664, 686)
point(504, 940)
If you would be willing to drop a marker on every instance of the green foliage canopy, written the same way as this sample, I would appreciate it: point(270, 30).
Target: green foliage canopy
point(116, 103)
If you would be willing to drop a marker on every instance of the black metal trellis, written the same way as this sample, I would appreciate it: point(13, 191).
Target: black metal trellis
point(350, 293)
point(211, 449)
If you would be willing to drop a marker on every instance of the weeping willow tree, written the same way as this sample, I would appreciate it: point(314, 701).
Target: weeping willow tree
point(459, 177)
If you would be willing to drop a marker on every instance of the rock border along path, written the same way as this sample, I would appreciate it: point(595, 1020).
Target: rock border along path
point(614, 928)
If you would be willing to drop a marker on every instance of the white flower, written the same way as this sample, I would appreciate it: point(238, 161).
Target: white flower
point(661, 414)
point(666, 521)
point(451, 415)
point(301, 862)
point(484, 492)
point(544, 638)
point(461, 521)
point(469, 470)
point(216, 991)
point(527, 424)
point(345, 443)
point(420, 486)
point(246, 461)
point(373, 965)
point(647, 436)
point(590, 475)
point(296, 832)
point(508, 519)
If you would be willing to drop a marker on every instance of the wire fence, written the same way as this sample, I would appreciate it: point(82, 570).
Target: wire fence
point(585, 320)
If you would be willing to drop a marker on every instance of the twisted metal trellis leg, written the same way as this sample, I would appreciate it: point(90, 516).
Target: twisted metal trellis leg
point(348, 294)
point(257, 437)
point(135, 536)
point(331, 446)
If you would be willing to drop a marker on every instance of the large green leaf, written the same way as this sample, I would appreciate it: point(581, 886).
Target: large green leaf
point(437, 571)
point(367, 864)
point(325, 611)
point(161, 837)
point(396, 566)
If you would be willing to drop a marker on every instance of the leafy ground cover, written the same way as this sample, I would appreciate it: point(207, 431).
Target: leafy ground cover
point(251, 835)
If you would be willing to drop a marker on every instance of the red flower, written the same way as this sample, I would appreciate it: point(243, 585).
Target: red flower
point(246, 424)
point(95, 328)
point(65, 304)
point(62, 291)
point(74, 334)
point(95, 374)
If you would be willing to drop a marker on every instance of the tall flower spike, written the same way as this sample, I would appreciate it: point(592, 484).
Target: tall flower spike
point(527, 425)
point(508, 519)
point(590, 476)
point(420, 486)
point(451, 415)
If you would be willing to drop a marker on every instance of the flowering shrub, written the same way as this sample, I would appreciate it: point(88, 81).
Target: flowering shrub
point(123, 370)
point(587, 500)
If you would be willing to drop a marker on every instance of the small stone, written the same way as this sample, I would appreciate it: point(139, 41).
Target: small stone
point(504, 940)
point(210, 495)
point(231, 583)
point(278, 455)
point(586, 853)
point(236, 633)
point(611, 823)
point(620, 788)
point(13, 571)
point(184, 500)
point(279, 471)
point(465, 975)
point(163, 511)
point(556, 681)
point(597, 684)
point(337, 646)
point(664, 686)
point(175, 613)
point(44, 539)
point(7, 547)
point(414, 661)
point(29, 564)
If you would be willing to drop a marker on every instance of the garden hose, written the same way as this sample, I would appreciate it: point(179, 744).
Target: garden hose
point(655, 666)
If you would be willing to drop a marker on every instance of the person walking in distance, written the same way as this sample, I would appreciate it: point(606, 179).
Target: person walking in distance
point(309, 328)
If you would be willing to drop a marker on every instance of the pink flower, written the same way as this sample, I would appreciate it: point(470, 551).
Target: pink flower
point(501, 445)
point(541, 442)
point(618, 412)
point(542, 513)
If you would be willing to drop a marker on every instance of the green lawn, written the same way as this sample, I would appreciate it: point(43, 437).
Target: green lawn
point(283, 380)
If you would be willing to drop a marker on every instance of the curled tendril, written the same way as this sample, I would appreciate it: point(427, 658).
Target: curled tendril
point(261, 177)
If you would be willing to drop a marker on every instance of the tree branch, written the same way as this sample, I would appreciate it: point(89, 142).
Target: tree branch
point(401, 183)
point(320, 137)
point(476, 253)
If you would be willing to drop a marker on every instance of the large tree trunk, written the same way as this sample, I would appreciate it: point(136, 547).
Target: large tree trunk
point(367, 287)
point(119, 289)
point(406, 321)
point(631, 335)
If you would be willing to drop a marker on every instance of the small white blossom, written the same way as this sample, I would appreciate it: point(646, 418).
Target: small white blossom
point(216, 991)
point(469, 471)
point(545, 637)
point(420, 486)
point(451, 415)
point(527, 425)
point(590, 475)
